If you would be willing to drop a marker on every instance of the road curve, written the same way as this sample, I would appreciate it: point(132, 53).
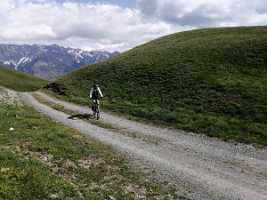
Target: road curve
point(200, 167)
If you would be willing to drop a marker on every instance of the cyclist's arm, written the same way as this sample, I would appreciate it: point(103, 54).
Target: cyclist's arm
point(91, 93)
point(100, 92)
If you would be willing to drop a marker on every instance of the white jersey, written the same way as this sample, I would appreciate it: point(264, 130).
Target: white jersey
point(99, 92)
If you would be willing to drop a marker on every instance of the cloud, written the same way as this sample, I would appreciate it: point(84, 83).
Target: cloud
point(203, 13)
point(82, 25)
point(112, 27)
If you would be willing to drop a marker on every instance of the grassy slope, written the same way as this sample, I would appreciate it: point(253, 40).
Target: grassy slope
point(41, 158)
point(19, 81)
point(211, 81)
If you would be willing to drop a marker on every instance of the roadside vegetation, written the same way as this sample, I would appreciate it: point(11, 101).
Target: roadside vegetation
point(211, 81)
point(40, 159)
point(20, 81)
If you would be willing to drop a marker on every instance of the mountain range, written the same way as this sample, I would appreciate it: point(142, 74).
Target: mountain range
point(49, 61)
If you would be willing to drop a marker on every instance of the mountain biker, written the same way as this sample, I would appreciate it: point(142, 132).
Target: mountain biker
point(95, 94)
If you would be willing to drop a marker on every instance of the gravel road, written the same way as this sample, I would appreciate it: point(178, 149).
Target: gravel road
point(200, 167)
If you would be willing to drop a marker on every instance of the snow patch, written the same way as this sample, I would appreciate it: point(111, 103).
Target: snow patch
point(70, 51)
point(23, 60)
point(9, 62)
point(78, 54)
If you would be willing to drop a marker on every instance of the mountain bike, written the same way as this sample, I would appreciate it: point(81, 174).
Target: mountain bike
point(96, 109)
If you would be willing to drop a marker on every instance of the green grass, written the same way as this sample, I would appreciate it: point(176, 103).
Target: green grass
point(19, 81)
point(211, 81)
point(34, 162)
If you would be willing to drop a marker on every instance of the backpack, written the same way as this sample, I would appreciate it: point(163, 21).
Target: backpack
point(95, 94)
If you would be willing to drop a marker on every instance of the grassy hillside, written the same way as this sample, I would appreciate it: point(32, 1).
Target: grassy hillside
point(19, 81)
point(211, 81)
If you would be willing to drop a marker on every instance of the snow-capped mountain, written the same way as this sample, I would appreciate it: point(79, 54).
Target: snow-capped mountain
point(49, 61)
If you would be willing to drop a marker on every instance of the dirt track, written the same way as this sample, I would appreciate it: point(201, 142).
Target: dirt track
point(201, 167)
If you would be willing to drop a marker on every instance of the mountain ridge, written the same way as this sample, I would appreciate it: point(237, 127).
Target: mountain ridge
point(49, 61)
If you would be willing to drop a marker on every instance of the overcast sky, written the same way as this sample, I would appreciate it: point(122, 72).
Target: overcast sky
point(118, 24)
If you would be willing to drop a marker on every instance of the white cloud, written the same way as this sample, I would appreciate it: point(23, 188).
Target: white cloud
point(110, 27)
point(87, 26)
point(199, 13)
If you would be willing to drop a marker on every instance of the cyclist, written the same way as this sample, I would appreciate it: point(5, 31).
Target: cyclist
point(95, 94)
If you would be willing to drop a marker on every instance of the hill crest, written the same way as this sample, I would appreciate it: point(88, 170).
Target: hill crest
point(211, 81)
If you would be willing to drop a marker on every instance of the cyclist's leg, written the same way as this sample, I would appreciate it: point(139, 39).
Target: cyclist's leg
point(94, 107)
point(97, 109)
